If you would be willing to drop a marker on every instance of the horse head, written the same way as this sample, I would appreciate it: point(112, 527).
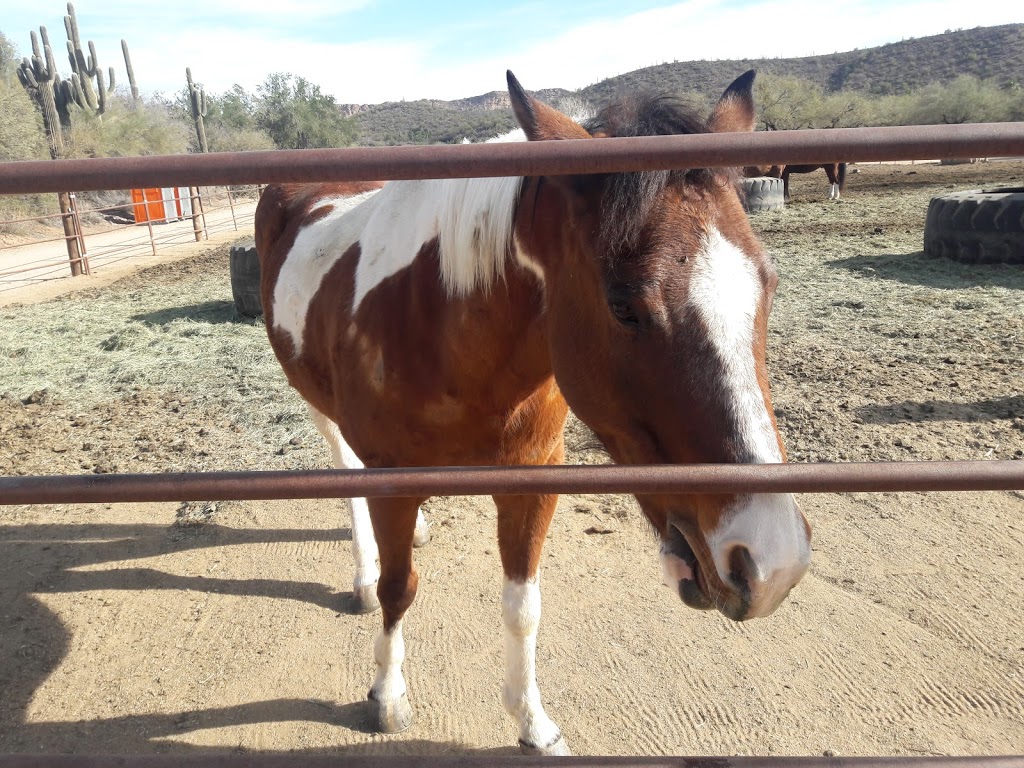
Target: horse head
point(657, 295)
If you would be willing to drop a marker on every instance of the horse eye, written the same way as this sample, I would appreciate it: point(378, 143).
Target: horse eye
point(625, 313)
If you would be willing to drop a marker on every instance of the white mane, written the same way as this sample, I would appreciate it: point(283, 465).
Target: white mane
point(475, 223)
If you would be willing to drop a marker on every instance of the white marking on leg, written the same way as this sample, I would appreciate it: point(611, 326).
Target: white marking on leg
point(389, 653)
point(364, 545)
point(520, 608)
point(421, 536)
point(393, 711)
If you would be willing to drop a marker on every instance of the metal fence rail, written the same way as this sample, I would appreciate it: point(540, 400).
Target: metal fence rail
point(497, 761)
point(924, 142)
point(611, 155)
point(478, 481)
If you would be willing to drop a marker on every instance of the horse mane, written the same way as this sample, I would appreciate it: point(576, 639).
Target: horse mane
point(629, 197)
point(475, 222)
point(476, 216)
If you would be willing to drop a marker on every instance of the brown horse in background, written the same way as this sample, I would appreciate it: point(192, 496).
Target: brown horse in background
point(836, 175)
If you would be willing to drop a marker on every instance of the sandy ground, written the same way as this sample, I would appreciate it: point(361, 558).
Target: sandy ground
point(151, 628)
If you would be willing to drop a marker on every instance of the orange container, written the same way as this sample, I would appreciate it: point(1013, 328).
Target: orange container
point(148, 205)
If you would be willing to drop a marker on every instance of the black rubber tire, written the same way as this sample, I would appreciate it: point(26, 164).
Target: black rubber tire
point(977, 226)
point(245, 279)
point(762, 193)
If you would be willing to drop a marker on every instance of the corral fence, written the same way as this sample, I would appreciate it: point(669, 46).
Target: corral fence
point(552, 158)
point(137, 227)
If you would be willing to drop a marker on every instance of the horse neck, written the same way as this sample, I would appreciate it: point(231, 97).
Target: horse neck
point(499, 335)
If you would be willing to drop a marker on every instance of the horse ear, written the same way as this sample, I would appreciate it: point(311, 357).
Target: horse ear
point(734, 112)
point(539, 121)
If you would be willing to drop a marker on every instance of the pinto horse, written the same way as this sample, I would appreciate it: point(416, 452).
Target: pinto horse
point(454, 322)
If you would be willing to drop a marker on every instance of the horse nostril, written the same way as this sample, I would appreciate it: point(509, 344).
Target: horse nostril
point(742, 571)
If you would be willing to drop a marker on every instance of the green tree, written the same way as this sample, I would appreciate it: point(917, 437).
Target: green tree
point(787, 103)
point(8, 57)
point(296, 114)
point(231, 122)
point(234, 109)
point(965, 100)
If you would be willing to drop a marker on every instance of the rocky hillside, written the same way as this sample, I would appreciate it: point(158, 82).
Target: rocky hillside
point(985, 52)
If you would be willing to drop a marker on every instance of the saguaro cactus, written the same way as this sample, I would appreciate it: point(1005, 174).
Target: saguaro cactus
point(84, 69)
point(38, 75)
point(130, 70)
point(197, 100)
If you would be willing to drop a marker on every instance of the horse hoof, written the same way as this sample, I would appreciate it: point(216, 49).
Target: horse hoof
point(393, 716)
point(422, 536)
point(364, 599)
point(557, 748)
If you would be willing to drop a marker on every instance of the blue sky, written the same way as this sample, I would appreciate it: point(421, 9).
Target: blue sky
point(368, 51)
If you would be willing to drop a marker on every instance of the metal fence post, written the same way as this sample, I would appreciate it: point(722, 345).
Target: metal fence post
point(152, 241)
point(231, 205)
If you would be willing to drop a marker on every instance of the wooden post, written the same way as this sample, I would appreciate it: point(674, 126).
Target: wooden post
point(70, 235)
point(77, 220)
point(197, 213)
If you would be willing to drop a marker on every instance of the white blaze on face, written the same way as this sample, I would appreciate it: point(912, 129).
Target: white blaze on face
point(726, 292)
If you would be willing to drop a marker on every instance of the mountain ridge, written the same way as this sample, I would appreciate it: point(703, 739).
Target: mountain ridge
point(984, 52)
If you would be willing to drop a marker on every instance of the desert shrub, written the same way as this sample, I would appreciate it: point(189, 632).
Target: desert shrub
point(221, 138)
point(127, 129)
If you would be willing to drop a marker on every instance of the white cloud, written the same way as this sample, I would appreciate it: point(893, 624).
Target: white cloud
point(248, 48)
point(221, 58)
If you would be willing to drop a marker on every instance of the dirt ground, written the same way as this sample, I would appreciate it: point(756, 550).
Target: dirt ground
point(140, 628)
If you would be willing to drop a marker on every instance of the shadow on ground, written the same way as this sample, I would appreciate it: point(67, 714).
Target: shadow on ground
point(917, 269)
point(1009, 407)
point(40, 559)
point(210, 312)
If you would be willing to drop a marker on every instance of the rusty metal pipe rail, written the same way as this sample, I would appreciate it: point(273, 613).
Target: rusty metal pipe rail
point(925, 142)
point(474, 481)
point(495, 761)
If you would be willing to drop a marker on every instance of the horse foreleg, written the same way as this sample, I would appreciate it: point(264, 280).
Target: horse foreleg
point(833, 181)
point(364, 547)
point(522, 525)
point(394, 524)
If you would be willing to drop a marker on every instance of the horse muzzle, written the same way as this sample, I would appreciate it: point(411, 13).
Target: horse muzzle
point(745, 571)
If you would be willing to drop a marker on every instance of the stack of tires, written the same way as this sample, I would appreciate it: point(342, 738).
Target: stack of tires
point(977, 226)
